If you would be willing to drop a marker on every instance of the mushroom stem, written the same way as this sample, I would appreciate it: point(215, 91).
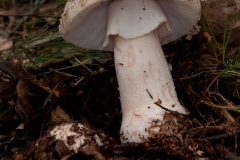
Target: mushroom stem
point(143, 77)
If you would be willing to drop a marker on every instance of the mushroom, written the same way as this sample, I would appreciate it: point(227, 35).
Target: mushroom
point(134, 30)
point(76, 136)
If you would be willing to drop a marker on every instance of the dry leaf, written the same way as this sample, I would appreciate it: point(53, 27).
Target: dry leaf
point(93, 150)
point(5, 43)
point(11, 103)
point(199, 152)
point(56, 93)
point(20, 127)
point(59, 116)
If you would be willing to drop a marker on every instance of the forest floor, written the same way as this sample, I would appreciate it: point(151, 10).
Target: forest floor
point(45, 81)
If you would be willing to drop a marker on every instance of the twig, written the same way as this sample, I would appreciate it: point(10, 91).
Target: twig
point(84, 62)
point(83, 65)
point(226, 153)
point(47, 100)
point(45, 77)
point(209, 86)
point(4, 112)
point(229, 155)
point(40, 33)
point(166, 109)
point(190, 76)
point(218, 137)
point(79, 81)
point(211, 104)
point(3, 90)
point(157, 143)
point(31, 38)
point(25, 18)
point(23, 15)
point(62, 73)
point(149, 94)
point(7, 49)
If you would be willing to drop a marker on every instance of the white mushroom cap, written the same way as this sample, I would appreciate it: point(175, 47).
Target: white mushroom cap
point(84, 22)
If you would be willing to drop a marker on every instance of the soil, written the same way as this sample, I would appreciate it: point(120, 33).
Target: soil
point(35, 99)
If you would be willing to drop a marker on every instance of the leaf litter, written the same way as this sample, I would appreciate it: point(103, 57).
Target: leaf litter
point(77, 88)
